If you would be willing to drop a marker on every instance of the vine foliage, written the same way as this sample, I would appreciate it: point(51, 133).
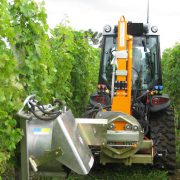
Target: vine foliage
point(61, 65)
point(171, 76)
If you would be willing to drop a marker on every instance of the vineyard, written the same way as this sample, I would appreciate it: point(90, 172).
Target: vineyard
point(61, 65)
point(51, 63)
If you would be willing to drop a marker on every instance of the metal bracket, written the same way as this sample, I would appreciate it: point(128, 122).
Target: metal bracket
point(122, 54)
point(121, 72)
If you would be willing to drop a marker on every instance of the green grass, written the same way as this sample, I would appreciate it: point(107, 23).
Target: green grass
point(117, 172)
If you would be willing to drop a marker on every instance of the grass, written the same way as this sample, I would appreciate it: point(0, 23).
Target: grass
point(117, 172)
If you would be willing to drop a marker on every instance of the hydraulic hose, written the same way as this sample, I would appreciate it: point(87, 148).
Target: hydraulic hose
point(41, 109)
point(52, 115)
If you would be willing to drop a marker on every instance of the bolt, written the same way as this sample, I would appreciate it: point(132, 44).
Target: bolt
point(135, 127)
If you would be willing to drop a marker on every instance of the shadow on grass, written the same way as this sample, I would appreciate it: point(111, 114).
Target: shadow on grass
point(120, 172)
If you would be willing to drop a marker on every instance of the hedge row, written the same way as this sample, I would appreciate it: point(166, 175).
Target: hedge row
point(34, 59)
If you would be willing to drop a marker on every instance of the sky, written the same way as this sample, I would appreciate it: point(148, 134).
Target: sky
point(95, 14)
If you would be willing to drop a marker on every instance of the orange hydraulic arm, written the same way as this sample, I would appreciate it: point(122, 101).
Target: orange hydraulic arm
point(123, 75)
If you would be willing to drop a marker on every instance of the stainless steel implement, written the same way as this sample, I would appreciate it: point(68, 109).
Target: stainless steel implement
point(75, 152)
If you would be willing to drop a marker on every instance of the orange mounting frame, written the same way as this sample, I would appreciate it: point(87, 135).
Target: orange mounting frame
point(121, 102)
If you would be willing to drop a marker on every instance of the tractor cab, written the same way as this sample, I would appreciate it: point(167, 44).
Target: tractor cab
point(130, 71)
point(146, 71)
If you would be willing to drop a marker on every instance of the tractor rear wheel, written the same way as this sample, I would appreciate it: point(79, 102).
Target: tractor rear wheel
point(162, 125)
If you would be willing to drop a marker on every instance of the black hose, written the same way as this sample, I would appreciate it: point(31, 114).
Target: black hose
point(142, 95)
point(89, 113)
point(44, 118)
point(51, 116)
point(136, 71)
point(136, 85)
point(94, 110)
point(45, 112)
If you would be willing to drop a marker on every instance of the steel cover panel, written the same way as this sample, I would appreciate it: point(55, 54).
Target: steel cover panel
point(93, 131)
point(39, 136)
point(76, 153)
point(122, 136)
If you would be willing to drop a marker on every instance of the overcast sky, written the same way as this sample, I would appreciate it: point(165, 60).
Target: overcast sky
point(94, 14)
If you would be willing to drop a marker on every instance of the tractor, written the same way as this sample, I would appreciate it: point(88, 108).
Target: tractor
point(130, 81)
point(129, 119)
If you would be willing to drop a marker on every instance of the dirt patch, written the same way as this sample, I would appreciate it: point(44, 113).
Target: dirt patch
point(176, 176)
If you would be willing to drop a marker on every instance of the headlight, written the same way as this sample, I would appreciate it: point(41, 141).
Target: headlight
point(154, 29)
point(107, 28)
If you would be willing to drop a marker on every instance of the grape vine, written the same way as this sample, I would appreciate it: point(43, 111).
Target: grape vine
point(63, 65)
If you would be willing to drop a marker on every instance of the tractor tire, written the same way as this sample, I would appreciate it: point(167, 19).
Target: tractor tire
point(162, 125)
